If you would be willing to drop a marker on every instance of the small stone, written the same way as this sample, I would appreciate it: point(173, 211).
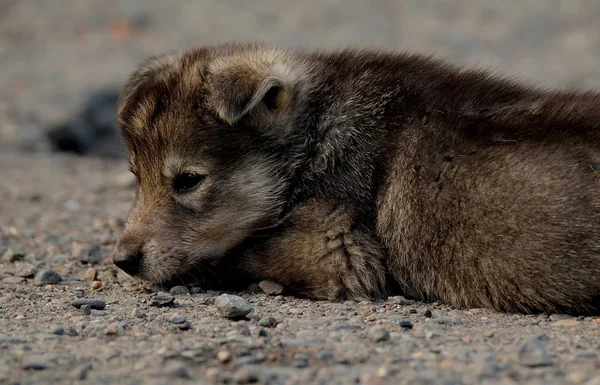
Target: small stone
point(111, 330)
point(90, 275)
point(177, 369)
point(25, 270)
point(138, 313)
point(34, 363)
point(532, 353)
point(301, 361)
point(224, 356)
point(487, 366)
point(10, 257)
point(593, 381)
point(162, 299)
point(93, 255)
point(576, 378)
point(212, 374)
point(48, 277)
point(247, 375)
point(558, 317)
point(179, 290)
point(59, 330)
point(196, 290)
point(232, 306)
point(184, 326)
point(325, 356)
point(270, 287)
point(96, 285)
point(81, 372)
point(86, 309)
point(427, 313)
point(178, 319)
point(447, 321)
point(262, 333)
point(400, 300)
point(431, 335)
point(406, 324)
point(13, 280)
point(567, 322)
point(489, 333)
point(268, 322)
point(253, 288)
point(94, 303)
point(378, 334)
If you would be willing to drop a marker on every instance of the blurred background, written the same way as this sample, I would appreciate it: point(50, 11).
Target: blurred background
point(63, 62)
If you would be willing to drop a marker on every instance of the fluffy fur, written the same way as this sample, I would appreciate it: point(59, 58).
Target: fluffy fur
point(355, 174)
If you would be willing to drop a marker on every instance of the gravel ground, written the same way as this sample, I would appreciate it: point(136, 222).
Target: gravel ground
point(60, 214)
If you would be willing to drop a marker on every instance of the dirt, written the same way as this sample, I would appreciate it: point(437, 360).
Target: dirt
point(63, 212)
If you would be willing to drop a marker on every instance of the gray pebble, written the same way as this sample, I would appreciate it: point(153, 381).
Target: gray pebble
point(94, 303)
point(178, 319)
point(447, 321)
point(325, 356)
point(232, 306)
point(400, 300)
point(86, 309)
point(10, 280)
point(270, 287)
point(138, 313)
point(253, 288)
point(34, 363)
point(93, 255)
point(81, 372)
point(533, 353)
point(25, 270)
point(10, 257)
point(558, 317)
point(267, 322)
point(378, 334)
point(301, 361)
point(59, 330)
point(48, 277)
point(162, 299)
point(406, 324)
point(247, 375)
point(179, 290)
point(184, 326)
point(196, 290)
point(262, 333)
point(177, 369)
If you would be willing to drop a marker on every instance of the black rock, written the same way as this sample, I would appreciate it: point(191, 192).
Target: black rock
point(48, 277)
point(179, 290)
point(94, 303)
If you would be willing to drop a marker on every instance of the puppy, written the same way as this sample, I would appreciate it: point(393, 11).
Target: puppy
point(357, 174)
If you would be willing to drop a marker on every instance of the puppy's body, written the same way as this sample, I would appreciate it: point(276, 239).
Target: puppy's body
point(355, 173)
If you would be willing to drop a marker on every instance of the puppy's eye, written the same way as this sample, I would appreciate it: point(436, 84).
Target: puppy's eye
point(187, 181)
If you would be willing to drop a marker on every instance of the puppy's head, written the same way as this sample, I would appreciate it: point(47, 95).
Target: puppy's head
point(204, 133)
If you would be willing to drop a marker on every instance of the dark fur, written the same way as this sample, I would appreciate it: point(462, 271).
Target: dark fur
point(392, 170)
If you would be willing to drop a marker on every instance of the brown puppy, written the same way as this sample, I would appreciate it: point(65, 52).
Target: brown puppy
point(355, 174)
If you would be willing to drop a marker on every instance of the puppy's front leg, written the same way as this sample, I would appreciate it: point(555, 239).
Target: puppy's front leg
point(319, 253)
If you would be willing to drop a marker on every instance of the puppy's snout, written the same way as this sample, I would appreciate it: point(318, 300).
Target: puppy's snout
point(128, 262)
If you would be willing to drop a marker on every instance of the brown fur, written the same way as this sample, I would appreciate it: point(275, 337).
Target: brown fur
point(355, 174)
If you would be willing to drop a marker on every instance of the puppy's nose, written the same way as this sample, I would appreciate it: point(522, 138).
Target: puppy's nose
point(128, 262)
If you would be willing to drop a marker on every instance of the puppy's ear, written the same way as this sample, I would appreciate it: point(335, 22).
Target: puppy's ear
point(252, 87)
point(139, 87)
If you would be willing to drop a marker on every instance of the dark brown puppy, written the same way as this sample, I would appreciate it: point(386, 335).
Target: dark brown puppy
point(358, 173)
